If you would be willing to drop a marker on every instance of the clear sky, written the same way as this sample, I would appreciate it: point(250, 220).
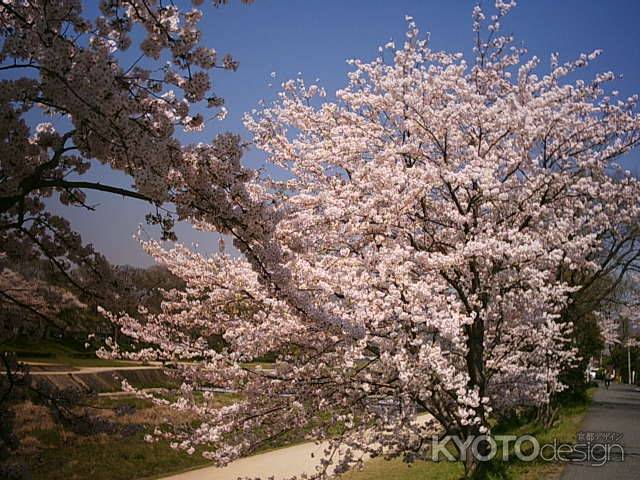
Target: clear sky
point(316, 37)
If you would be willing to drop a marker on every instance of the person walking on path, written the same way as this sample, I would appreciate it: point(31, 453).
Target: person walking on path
point(609, 376)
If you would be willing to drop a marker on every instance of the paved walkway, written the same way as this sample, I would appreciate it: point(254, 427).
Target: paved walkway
point(616, 411)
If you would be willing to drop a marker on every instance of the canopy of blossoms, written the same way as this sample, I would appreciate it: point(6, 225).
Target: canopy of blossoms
point(415, 258)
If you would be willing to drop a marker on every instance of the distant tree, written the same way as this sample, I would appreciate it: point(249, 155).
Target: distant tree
point(35, 302)
point(143, 287)
point(132, 289)
point(597, 293)
point(621, 358)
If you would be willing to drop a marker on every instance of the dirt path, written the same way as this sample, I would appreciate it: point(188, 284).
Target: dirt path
point(281, 463)
point(81, 370)
point(278, 464)
point(46, 368)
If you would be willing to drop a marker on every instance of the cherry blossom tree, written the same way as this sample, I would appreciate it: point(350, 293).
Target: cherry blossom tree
point(30, 298)
point(77, 90)
point(435, 220)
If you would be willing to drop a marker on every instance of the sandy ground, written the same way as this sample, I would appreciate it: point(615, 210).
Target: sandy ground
point(282, 463)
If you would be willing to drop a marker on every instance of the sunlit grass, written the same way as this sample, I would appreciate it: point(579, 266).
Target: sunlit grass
point(564, 430)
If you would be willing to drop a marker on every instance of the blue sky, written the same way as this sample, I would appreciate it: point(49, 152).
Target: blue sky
point(316, 37)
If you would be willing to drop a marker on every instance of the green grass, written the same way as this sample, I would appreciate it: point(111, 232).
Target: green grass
point(103, 457)
point(113, 402)
point(68, 354)
point(565, 430)
point(379, 469)
point(23, 344)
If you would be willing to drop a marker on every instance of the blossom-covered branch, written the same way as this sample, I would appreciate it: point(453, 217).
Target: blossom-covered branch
point(112, 89)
